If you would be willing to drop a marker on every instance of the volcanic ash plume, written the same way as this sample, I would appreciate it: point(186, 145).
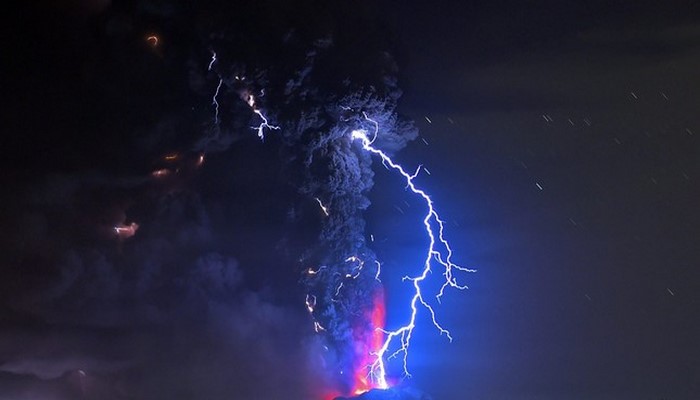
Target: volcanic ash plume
point(307, 113)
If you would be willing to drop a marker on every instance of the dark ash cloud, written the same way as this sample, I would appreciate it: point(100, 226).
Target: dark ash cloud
point(203, 300)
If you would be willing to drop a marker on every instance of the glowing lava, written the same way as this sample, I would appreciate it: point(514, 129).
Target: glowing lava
point(368, 343)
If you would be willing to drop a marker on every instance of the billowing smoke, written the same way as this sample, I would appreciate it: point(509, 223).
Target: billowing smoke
point(166, 313)
point(316, 106)
point(152, 277)
point(316, 83)
point(343, 274)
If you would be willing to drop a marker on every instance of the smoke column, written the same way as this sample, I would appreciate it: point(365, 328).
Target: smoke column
point(309, 110)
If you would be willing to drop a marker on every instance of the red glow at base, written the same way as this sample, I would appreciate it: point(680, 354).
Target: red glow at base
point(368, 339)
point(368, 342)
point(332, 395)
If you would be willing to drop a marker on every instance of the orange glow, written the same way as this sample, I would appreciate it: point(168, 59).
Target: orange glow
point(160, 173)
point(153, 40)
point(171, 157)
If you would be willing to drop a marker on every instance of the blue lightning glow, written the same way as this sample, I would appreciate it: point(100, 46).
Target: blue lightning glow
point(264, 124)
point(438, 250)
point(250, 100)
point(215, 102)
point(213, 60)
point(324, 208)
point(246, 96)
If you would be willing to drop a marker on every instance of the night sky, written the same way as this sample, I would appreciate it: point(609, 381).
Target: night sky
point(562, 141)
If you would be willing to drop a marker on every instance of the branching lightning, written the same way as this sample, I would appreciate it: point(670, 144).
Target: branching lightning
point(359, 266)
point(438, 250)
point(250, 99)
point(264, 124)
point(386, 344)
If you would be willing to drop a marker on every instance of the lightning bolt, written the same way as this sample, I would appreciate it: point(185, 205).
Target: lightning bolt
point(213, 60)
point(214, 100)
point(264, 124)
point(323, 207)
point(359, 266)
point(355, 271)
point(439, 251)
point(248, 97)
